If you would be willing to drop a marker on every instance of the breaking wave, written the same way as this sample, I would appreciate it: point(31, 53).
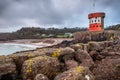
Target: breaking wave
point(9, 48)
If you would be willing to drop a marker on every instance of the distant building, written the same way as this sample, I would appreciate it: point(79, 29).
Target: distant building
point(51, 35)
point(68, 35)
point(43, 35)
point(96, 21)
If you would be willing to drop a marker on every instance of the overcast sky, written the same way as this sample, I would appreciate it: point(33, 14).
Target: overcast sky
point(15, 14)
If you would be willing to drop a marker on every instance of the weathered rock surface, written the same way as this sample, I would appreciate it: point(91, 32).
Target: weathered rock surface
point(76, 47)
point(7, 68)
point(94, 46)
point(82, 37)
point(68, 63)
point(40, 77)
point(67, 50)
point(84, 58)
point(19, 58)
point(71, 64)
point(78, 73)
point(87, 36)
point(66, 54)
point(107, 69)
point(43, 64)
point(108, 48)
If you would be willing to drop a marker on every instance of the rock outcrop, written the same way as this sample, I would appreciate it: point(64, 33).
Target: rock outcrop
point(66, 54)
point(19, 58)
point(107, 69)
point(7, 68)
point(42, 64)
point(90, 61)
point(71, 64)
point(77, 73)
point(87, 36)
point(40, 77)
point(84, 58)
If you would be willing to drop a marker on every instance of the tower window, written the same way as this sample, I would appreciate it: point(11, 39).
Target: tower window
point(92, 21)
point(95, 20)
point(98, 20)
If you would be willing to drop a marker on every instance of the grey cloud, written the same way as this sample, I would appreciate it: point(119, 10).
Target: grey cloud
point(16, 13)
point(3, 5)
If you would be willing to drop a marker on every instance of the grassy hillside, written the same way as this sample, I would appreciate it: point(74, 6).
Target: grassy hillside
point(113, 27)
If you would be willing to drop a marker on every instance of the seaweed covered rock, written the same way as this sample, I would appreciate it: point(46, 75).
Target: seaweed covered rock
point(53, 52)
point(19, 58)
point(42, 64)
point(84, 58)
point(61, 53)
point(40, 77)
point(7, 68)
point(77, 73)
point(107, 69)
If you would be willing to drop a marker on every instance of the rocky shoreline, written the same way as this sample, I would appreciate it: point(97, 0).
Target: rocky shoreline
point(68, 60)
point(96, 60)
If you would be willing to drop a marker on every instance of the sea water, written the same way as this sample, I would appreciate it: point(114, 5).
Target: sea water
point(9, 48)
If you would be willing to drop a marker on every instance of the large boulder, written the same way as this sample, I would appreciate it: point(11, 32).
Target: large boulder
point(42, 64)
point(20, 57)
point(67, 50)
point(60, 52)
point(112, 46)
point(66, 54)
point(94, 46)
point(80, 46)
point(77, 73)
point(107, 69)
point(7, 68)
point(76, 46)
point(82, 36)
point(71, 64)
point(84, 58)
point(96, 56)
point(40, 77)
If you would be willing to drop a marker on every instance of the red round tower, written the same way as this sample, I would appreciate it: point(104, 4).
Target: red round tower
point(96, 21)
